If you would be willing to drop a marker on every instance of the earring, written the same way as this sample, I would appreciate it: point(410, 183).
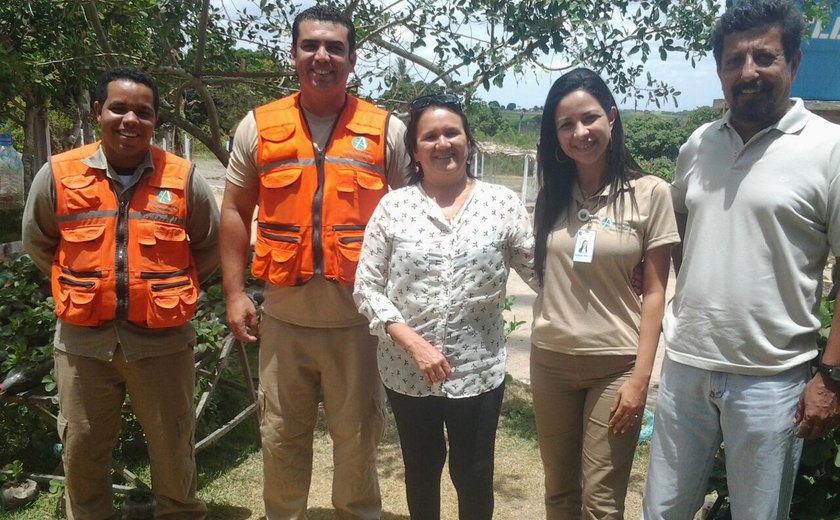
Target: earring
point(560, 160)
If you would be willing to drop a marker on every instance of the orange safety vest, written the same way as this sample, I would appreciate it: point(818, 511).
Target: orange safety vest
point(314, 205)
point(122, 258)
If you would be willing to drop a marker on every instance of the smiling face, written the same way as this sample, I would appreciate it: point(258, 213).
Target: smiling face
point(442, 148)
point(584, 130)
point(323, 61)
point(756, 78)
point(127, 118)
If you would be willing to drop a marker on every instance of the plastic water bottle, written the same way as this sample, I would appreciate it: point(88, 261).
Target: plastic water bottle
point(11, 174)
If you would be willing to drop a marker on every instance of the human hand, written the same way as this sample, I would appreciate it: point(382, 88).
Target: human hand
point(637, 278)
point(430, 362)
point(628, 406)
point(242, 316)
point(818, 410)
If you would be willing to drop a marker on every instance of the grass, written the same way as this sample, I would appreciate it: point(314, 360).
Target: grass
point(230, 473)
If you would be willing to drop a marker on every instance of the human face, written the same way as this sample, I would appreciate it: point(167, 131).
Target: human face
point(756, 78)
point(584, 130)
point(442, 147)
point(127, 118)
point(322, 59)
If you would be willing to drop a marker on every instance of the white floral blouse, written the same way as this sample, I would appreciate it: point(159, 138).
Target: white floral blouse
point(446, 281)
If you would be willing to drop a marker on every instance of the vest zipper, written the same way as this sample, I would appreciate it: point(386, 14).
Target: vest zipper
point(279, 227)
point(157, 275)
point(349, 227)
point(279, 238)
point(82, 274)
point(317, 214)
point(318, 196)
point(121, 260)
point(75, 283)
point(172, 285)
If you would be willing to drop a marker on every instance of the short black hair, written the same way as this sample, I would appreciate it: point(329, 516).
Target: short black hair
point(325, 13)
point(128, 73)
point(752, 14)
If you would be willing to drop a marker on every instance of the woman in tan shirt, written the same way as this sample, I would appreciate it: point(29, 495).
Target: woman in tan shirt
point(594, 339)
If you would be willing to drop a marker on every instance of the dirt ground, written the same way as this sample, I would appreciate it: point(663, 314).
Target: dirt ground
point(518, 482)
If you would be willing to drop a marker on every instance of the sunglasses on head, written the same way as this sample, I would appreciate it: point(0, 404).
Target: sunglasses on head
point(435, 99)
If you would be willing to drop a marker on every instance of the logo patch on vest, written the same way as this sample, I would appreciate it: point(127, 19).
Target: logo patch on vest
point(162, 202)
point(359, 143)
point(164, 197)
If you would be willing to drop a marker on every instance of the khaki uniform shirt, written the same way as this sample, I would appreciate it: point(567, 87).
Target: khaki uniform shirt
point(591, 308)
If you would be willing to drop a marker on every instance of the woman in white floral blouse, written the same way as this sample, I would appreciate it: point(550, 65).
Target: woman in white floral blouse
point(431, 280)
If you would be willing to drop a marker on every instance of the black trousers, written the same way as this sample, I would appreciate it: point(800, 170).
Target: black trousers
point(471, 429)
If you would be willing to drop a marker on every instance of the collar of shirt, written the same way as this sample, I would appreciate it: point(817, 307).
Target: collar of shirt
point(100, 162)
point(792, 122)
point(602, 194)
point(435, 213)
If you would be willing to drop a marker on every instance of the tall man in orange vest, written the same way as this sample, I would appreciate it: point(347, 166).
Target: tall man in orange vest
point(317, 163)
point(126, 232)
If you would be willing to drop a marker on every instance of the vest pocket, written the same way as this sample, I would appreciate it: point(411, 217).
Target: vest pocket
point(162, 246)
point(365, 187)
point(171, 301)
point(349, 248)
point(75, 301)
point(80, 192)
point(83, 247)
point(280, 178)
point(276, 258)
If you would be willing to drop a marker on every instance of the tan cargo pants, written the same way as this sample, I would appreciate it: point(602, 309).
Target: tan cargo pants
point(91, 394)
point(296, 364)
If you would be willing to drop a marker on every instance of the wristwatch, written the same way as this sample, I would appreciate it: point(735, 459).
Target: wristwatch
point(831, 371)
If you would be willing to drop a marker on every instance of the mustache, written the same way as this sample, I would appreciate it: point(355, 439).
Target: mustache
point(752, 85)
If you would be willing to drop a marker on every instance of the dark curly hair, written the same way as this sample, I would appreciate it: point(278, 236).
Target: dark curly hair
point(128, 73)
point(752, 14)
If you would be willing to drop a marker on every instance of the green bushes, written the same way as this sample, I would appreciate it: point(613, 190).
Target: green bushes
point(27, 326)
point(817, 492)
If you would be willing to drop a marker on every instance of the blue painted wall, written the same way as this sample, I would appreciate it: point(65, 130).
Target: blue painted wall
point(819, 73)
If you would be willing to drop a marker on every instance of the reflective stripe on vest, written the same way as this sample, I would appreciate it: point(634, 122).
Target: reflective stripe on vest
point(124, 259)
point(314, 204)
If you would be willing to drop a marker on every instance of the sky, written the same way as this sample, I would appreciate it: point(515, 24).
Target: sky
point(699, 86)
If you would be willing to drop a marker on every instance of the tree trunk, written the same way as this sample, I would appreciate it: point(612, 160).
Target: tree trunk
point(36, 142)
point(83, 105)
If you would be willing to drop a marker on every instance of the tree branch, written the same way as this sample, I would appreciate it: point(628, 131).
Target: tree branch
point(399, 51)
point(92, 16)
point(202, 37)
point(206, 98)
point(194, 130)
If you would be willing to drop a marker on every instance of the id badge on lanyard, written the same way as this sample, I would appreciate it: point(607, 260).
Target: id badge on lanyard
point(584, 239)
point(584, 246)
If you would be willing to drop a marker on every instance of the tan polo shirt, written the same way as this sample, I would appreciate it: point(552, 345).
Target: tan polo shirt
point(591, 308)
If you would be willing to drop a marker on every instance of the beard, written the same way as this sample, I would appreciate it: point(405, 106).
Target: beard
point(757, 108)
